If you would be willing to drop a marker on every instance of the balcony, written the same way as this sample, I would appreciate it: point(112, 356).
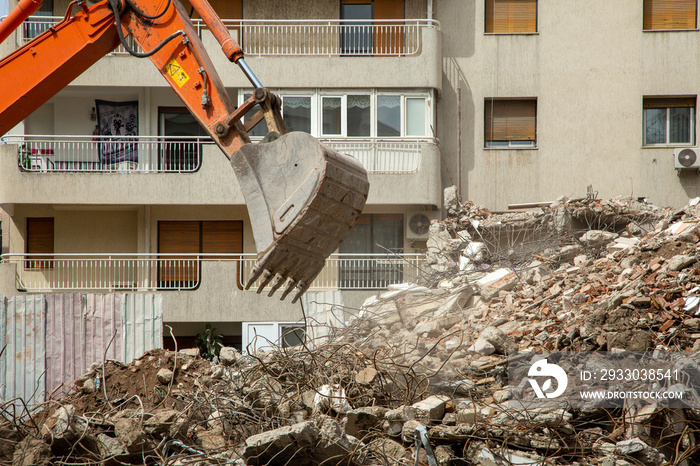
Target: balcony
point(166, 272)
point(323, 37)
point(158, 154)
point(322, 53)
point(108, 154)
point(186, 171)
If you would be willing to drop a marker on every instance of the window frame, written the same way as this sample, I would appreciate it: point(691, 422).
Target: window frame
point(495, 33)
point(667, 143)
point(664, 29)
point(318, 95)
point(510, 144)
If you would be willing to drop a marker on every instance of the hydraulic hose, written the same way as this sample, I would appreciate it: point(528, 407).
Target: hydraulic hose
point(115, 8)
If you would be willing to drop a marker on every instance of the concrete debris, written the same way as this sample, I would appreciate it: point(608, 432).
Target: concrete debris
point(429, 357)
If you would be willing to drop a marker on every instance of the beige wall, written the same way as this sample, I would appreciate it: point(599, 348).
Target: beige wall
point(110, 230)
point(589, 67)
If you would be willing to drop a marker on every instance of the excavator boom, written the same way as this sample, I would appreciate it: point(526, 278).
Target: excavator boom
point(302, 197)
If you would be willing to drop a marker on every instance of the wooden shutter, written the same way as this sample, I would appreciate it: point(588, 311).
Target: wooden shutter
point(510, 120)
point(511, 16)
point(389, 37)
point(222, 237)
point(669, 102)
point(670, 14)
point(40, 240)
point(175, 237)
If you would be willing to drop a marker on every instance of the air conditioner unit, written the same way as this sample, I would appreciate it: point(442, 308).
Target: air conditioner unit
point(418, 223)
point(686, 158)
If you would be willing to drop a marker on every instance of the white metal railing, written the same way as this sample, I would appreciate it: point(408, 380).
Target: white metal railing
point(356, 271)
point(57, 153)
point(311, 37)
point(149, 272)
point(384, 155)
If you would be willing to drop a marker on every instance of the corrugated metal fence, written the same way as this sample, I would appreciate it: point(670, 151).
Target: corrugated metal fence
point(50, 340)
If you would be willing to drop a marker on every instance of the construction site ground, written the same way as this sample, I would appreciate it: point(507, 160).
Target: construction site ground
point(420, 374)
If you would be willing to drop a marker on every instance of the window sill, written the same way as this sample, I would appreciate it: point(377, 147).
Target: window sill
point(536, 33)
point(670, 30)
point(667, 146)
point(511, 148)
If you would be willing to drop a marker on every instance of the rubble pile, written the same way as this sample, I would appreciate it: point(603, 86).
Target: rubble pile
point(419, 376)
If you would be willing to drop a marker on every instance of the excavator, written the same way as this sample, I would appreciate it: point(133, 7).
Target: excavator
point(302, 197)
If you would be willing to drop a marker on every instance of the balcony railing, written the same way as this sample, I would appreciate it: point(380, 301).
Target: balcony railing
point(310, 37)
point(108, 153)
point(152, 272)
point(170, 154)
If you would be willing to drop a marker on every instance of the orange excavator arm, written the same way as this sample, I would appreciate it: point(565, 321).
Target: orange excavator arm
point(302, 197)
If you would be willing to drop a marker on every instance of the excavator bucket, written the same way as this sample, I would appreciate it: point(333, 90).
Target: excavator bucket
point(303, 198)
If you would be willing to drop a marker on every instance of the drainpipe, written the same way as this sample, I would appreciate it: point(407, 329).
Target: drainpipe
point(430, 9)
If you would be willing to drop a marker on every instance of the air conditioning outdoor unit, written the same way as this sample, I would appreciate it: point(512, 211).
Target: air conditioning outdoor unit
point(686, 158)
point(418, 223)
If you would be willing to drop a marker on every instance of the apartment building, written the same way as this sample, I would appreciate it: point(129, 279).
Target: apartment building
point(154, 206)
point(529, 100)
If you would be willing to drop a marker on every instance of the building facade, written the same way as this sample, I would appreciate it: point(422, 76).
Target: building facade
point(112, 186)
point(513, 101)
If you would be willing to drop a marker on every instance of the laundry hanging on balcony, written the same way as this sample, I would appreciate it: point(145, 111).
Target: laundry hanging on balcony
point(118, 124)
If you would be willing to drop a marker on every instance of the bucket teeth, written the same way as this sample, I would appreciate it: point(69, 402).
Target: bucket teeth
point(301, 287)
point(266, 277)
point(257, 271)
point(288, 287)
point(276, 283)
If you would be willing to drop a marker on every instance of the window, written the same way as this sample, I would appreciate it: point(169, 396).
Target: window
point(361, 37)
point(356, 36)
point(354, 114)
point(669, 120)
point(183, 239)
point(511, 16)
point(372, 234)
point(40, 244)
point(510, 123)
point(296, 111)
point(660, 15)
point(179, 154)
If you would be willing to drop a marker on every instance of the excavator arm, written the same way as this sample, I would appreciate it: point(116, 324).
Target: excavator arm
point(302, 197)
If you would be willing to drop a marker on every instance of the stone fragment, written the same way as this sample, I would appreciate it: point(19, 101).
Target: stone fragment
point(193, 352)
point(483, 347)
point(680, 261)
point(32, 452)
point(212, 439)
point(500, 280)
point(409, 429)
point(109, 447)
point(594, 238)
point(229, 356)
point(331, 396)
point(366, 376)
point(282, 444)
point(165, 376)
point(334, 446)
point(450, 201)
point(129, 433)
point(496, 337)
point(361, 421)
point(430, 409)
point(390, 449)
point(161, 421)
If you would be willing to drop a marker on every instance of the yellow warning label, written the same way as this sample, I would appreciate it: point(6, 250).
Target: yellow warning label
point(176, 72)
